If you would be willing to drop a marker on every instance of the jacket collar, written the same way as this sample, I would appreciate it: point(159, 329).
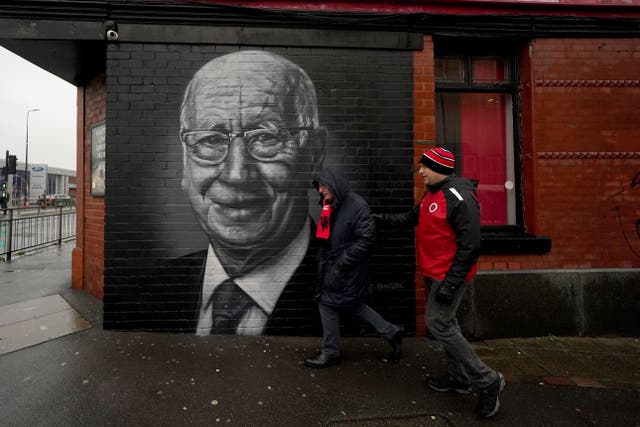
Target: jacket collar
point(436, 187)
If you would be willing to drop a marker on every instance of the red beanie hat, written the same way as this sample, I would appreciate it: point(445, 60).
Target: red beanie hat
point(439, 160)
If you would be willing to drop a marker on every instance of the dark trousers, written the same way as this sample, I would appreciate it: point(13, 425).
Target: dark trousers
point(330, 317)
point(462, 362)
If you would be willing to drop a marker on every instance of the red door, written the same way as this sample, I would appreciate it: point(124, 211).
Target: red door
point(483, 151)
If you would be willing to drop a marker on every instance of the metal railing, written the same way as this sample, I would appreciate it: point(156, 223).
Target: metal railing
point(24, 229)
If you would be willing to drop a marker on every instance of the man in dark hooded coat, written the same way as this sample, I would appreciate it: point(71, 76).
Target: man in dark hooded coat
point(346, 232)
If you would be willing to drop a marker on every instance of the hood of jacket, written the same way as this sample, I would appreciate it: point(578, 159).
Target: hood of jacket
point(337, 182)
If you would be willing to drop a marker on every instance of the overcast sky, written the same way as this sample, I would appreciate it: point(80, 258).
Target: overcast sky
point(52, 130)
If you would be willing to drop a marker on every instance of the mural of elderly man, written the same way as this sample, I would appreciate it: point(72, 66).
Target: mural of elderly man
point(251, 143)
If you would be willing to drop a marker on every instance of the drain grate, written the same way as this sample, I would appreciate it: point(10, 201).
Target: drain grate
point(424, 420)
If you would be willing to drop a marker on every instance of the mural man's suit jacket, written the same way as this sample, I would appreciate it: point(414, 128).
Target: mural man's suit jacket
point(294, 314)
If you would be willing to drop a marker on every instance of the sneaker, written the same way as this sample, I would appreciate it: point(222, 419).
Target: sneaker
point(488, 398)
point(448, 383)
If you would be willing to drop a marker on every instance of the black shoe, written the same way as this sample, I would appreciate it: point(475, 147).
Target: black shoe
point(321, 360)
point(448, 383)
point(396, 345)
point(488, 398)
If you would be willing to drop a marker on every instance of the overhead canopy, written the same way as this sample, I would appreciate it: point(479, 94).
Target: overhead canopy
point(69, 38)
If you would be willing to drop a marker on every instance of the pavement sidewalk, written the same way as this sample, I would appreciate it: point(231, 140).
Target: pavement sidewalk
point(98, 377)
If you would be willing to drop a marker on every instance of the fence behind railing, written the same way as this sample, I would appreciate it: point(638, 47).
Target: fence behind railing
point(23, 229)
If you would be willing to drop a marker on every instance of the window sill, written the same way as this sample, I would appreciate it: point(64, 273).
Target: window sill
point(513, 241)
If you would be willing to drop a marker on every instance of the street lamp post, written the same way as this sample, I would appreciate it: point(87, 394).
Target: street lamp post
point(26, 161)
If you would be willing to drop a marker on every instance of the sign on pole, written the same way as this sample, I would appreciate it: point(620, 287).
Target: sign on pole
point(37, 181)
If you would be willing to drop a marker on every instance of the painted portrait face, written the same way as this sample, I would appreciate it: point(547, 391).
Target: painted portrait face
point(249, 131)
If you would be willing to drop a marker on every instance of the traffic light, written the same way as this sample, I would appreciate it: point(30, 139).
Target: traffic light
point(11, 165)
point(3, 190)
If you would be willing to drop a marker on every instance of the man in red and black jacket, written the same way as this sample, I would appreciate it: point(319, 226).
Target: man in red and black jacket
point(448, 246)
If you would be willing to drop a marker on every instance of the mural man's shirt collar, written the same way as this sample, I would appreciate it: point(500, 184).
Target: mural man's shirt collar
point(264, 284)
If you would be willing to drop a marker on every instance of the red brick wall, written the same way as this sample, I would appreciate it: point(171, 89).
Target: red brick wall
point(580, 153)
point(88, 255)
point(424, 135)
point(580, 159)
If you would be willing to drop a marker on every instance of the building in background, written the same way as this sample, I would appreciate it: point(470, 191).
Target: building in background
point(539, 100)
point(44, 180)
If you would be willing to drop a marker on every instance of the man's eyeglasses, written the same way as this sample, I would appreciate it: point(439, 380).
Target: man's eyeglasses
point(267, 145)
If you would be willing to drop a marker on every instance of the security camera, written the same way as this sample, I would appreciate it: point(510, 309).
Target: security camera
point(112, 35)
point(111, 29)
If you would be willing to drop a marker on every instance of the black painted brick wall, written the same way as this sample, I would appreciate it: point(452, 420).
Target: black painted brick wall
point(365, 101)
